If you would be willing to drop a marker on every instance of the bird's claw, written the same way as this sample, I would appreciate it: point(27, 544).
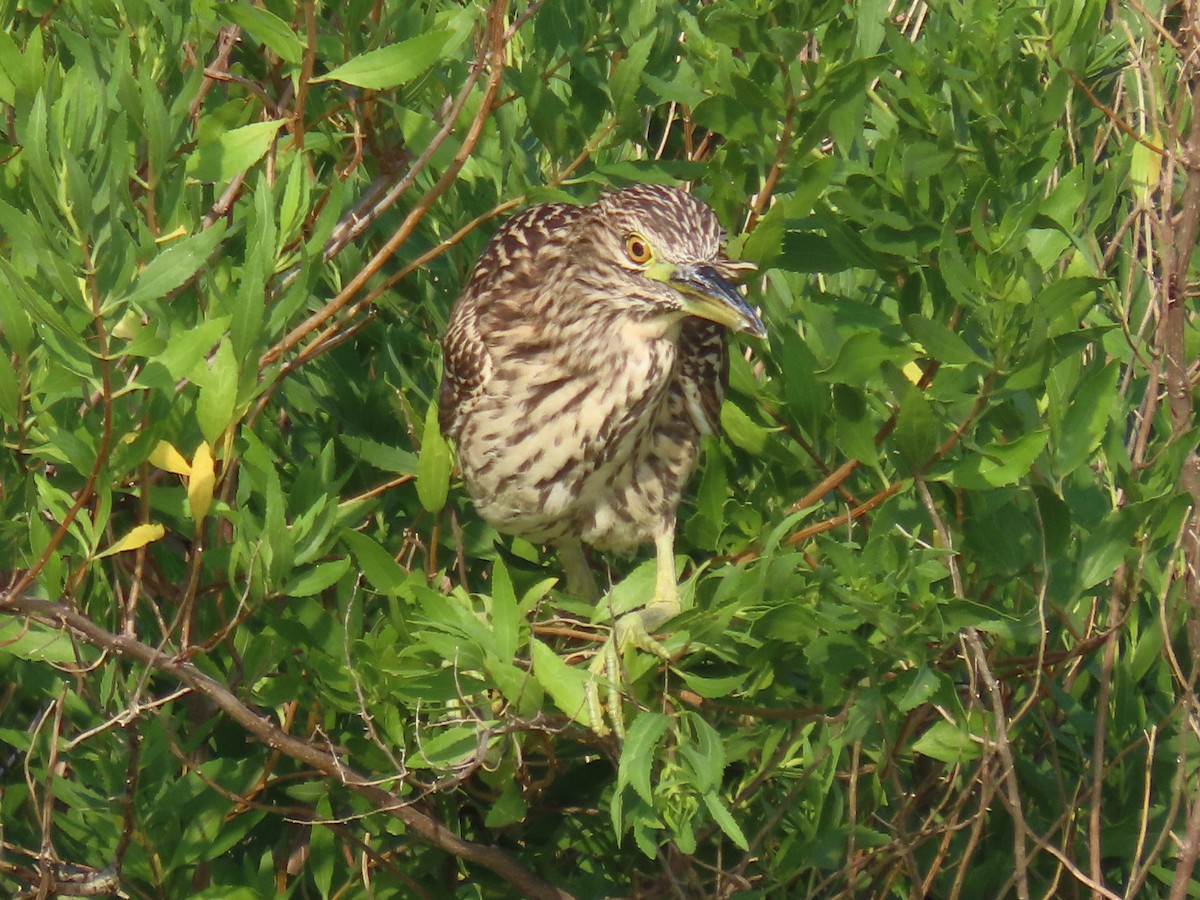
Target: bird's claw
point(628, 631)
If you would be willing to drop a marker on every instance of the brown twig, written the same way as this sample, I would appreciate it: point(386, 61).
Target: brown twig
point(262, 729)
point(88, 491)
point(325, 339)
point(492, 58)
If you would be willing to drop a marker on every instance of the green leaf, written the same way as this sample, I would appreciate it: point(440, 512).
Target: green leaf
point(861, 356)
point(631, 592)
point(36, 304)
point(317, 579)
point(959, 280)
point(504, 612)
point(916, 433)
point(855, 428)
point(725, 820)
point(947, 742)
point(381, 456)
point(34, 641)
point(637, 753)
point(999, 464)
point(743, 431)
point(762, 245)
point(187, 346)
point(808, 252)
point(1146, 651)
point(627, 74)
point(939, 342)
point(449, 747)
point(388, 67)
point(705, 525)
point(923, 684)
point(1065, 201)
point(10, 394)
point(960, 613)
point(218, 392)
point(10, 61)
point(249, 304)
point(267, 28)
point(516, 684)
point(434, 464)
point(384, 573)
point(233, 152)
point(565, 685)
point(705, 753)
point(14, 319)
point(1068, 300)
point(1086, 419)
point(509, 808)
point(321, 850)
point(1105, 548)
point(714, 688)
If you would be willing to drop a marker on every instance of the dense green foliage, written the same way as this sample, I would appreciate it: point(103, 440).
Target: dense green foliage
point(942, 636)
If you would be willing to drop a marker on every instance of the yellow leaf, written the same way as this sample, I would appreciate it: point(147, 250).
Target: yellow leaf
point(200, 485)
point(170, 236)
point(913, 372)
point(167, 458)
point(140, 536)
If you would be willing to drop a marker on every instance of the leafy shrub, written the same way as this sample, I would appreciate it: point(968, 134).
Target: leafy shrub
point(943, 627)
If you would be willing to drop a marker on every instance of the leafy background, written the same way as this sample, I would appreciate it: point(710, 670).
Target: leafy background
point(945, 617)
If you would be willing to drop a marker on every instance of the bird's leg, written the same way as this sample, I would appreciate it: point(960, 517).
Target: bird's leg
point(635, 629)
point(580, 581)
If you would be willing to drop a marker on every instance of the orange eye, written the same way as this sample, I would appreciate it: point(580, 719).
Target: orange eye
point(637, 249)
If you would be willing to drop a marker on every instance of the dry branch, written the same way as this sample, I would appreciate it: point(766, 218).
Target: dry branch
point(422, 826)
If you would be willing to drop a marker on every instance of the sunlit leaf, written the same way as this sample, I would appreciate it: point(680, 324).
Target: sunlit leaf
point(391, 66)
point(166, 457)
point(201, 482)
point(177, 262)
point(947, 742)
point(138, 536)
point(233, 152)
point(265, 26)
point(999, 464)
point(218, 392)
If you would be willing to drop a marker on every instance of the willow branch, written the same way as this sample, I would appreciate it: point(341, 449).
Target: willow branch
point(425, 827)
point(495, 65)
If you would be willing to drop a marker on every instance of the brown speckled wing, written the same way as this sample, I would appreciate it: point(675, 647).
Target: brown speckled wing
point(509, 266)
point(704, 371)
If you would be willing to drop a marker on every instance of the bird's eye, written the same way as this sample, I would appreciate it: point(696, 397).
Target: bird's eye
point(637, 249)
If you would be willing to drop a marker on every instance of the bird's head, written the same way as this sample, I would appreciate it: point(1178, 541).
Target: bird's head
point(658, 252)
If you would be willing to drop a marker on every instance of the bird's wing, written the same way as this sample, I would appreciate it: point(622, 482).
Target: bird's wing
point(703, 371)
point(514, 262)
point(704, 367)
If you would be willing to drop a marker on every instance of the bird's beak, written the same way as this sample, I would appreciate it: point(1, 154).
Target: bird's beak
point(709, 296)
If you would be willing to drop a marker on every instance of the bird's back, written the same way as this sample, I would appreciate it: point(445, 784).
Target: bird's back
point(510, 267)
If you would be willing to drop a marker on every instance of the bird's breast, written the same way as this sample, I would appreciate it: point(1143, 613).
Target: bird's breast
point(553, 429)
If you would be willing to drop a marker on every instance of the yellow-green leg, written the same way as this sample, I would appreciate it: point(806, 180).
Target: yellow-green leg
point(634, 629)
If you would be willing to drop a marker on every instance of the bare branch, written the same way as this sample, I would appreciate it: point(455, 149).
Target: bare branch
point(260, 728)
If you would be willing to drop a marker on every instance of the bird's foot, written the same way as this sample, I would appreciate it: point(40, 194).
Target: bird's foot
point(633, 629)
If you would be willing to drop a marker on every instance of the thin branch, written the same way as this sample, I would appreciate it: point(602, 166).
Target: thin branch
point(262, 729)
point(493, 57)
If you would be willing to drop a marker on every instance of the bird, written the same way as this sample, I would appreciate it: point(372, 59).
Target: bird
point(583, 362)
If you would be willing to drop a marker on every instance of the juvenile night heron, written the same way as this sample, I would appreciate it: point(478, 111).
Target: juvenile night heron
point(583, 362)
